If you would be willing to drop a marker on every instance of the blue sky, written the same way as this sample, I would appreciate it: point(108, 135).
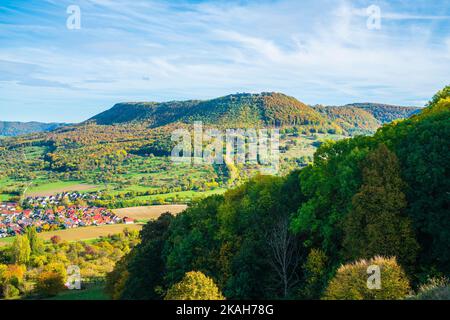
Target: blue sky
point(319, 51)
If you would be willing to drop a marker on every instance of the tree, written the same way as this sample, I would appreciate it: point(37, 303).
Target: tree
point(285, 256)
point(11, 279)
point(146, 265)
point(377, 224)
point(422, 145)
point(194, 286)
point(351, 281)
point(192, 243)
point(55, 239)
point(116, 280)
point(36, 244)
point(21, 250)
point(315, 275)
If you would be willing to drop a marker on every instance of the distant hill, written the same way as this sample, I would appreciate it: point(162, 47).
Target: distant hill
point(264, 109)
point(386, 113)
point(257, 110)
point(11, 128)
point(351, 119)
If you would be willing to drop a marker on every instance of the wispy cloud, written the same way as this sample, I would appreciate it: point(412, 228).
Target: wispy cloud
point(319, 51)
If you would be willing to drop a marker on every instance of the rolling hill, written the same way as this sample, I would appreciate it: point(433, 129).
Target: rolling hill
point(265, 109)
point(386, 113)
point(351, 119)
point(11, 129)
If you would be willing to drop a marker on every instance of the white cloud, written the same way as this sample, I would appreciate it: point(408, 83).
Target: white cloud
point(320, 52)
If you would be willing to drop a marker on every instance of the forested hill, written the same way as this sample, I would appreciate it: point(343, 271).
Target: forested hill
point(264, 109)
point(234, 110)
point(386, 113)
point(8, 128)
point(350, 119)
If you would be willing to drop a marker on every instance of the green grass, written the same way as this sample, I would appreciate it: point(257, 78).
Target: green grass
point(94, 293)
point(183, 194)
point(6, 241)
point(48, 186)
point(5, 197)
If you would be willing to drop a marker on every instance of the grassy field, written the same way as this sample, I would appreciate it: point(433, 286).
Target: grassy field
point(48, 189)
point(94, 293)
point(182, 194)
point(82, 233)
point(87, 233)
point(150, 212)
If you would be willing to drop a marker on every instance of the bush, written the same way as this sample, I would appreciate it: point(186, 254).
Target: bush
point(10, 291)
point(434, 289)
point(350, 281)
point(49, 283)
point(194, 286)
point(55, 239)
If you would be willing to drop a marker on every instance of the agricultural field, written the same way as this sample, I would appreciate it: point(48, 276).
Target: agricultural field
point(48, 189)
point(81, 233)
point(150, 212)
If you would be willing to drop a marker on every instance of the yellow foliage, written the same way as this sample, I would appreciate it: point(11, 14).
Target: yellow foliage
point(194, 286)
point(350, 281)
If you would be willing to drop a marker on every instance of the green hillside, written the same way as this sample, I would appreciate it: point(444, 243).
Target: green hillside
point(350, 119)
point(236, 110)
point(10, 128)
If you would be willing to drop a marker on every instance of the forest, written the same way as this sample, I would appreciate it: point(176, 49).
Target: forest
point(378, 200)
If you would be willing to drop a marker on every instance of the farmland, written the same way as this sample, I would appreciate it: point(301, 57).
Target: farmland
point(148, 213)
point(82, 233)
point(51, 188)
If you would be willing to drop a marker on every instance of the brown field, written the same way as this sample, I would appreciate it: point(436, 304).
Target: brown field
point(81, 233)
point(86, 233)
point(150, 212)
point(77, 187)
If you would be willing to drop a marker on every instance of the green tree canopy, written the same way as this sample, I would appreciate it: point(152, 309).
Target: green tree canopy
point(21, 250)
point(377, 224)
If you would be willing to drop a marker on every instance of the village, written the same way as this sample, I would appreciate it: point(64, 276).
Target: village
point(59, 199)
point(53, 213)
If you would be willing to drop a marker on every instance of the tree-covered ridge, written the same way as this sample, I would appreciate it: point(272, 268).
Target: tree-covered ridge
point(313, 233)
point(10, 128)
point(153, 113)
point(352, 120)
point(236, 110)
point(256, 110)
point(386, 113)
point(265, 109)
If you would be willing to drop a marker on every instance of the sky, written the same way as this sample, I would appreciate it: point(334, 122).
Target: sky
point(329, 52)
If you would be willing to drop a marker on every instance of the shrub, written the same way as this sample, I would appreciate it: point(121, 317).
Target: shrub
point(10, 291)
point(350, 281)
point(434, 289)
point(49, 283)
point(194, 286)
point(55, 239)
